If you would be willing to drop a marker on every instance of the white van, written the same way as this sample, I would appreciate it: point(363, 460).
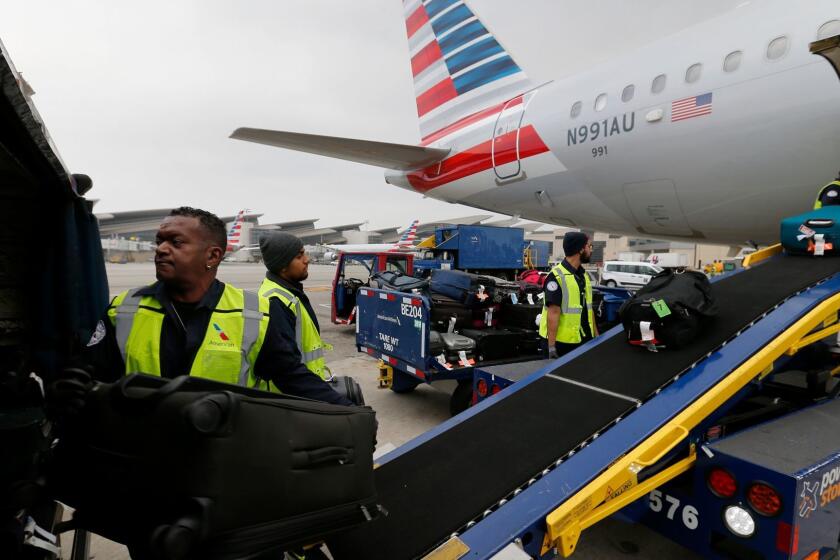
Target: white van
point(628, 274)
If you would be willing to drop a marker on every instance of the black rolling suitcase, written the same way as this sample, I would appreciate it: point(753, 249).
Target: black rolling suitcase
point(494, 344)
point(447, 314)
point(190, 468)
point(520, 315)
point(670, 311)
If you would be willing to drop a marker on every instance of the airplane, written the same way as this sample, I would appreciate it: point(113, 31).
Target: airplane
point(234, 241)
point(711, 134)
point(404, 243)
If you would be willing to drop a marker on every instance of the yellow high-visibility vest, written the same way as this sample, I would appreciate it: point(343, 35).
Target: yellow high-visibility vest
point(231, 344)
point(569, 328)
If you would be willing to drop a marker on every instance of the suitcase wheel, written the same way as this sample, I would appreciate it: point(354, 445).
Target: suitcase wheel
point(213, 415)
point(174, 542)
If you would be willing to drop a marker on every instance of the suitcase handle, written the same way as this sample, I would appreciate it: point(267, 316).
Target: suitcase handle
point(126, 383)
point(310, 458)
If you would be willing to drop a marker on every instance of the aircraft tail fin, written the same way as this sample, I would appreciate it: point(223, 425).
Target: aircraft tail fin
point(459, 67)
point(409, 236)
point(234, 240)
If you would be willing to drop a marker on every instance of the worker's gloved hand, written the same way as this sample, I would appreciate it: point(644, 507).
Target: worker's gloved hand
point(552, 353)
point(66, 395)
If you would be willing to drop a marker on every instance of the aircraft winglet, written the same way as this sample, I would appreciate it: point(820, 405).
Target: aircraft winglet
point(403, 157)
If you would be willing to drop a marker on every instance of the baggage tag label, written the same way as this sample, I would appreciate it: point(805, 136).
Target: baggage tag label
point(806, 232)
point(463, 360)
point(647, 332)
point(513, 299)
point(819, 244)
point(451, 327)
point(488, 317)
point(661, 308)
point(530, 299)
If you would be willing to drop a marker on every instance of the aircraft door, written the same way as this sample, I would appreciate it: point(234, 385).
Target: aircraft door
point(505, 145)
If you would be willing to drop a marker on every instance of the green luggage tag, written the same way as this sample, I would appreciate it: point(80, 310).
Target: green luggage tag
point(661, 308)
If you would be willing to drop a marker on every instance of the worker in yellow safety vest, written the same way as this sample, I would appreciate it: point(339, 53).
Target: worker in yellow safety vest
point(829, 195)
point(287, 267)
point(188, 322)
point(567, 318)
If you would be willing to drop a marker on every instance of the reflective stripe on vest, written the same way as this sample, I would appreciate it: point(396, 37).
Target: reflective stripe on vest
point(248, 347)
point(307, 337)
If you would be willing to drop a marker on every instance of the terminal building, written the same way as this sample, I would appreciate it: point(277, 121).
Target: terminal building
point(129, 236)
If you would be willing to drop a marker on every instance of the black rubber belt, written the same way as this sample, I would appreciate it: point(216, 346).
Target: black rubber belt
point(435, 489)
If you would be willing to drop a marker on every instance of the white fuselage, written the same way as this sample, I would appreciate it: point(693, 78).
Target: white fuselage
point(771, 141)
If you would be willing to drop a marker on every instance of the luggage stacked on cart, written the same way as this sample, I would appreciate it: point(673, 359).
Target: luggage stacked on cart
point(816, 232)
point(499, 316)
point(190, 468)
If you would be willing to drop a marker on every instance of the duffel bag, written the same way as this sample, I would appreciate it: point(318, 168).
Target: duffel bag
point(816, 232)
point(669, 311)
point(189, 468)
point(397, 281)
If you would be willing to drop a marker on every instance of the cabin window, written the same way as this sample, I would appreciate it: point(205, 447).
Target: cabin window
point(829, 29)
point(777, 48)
point(601, 102)
point(627, 93)
point(658, 84)
point(732, 61)
point(576, 107)
point(693, 73)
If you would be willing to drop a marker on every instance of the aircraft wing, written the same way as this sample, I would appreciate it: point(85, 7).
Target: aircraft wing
point(402, 157)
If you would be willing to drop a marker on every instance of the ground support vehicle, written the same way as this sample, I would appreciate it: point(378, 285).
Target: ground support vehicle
point(628, 274)
point(394, 327)
point(481, 248)
point(353, 271)
point(608, 424)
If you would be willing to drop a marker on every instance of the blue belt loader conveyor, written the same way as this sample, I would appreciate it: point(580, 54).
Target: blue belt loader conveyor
point(526, 471)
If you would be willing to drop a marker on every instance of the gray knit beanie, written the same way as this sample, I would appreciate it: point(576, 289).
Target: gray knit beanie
point(278, 250)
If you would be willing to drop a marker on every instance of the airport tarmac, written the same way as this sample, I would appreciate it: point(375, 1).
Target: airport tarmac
point(401, 417)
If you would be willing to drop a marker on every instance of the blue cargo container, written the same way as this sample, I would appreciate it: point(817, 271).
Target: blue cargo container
point(540, 252)
point(482, 247)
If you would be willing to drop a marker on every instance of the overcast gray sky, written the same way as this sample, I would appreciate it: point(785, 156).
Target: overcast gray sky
point(143, 95)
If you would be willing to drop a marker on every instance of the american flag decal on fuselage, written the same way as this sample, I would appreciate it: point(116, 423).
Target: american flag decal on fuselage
point(458, 65)
point(691, 107)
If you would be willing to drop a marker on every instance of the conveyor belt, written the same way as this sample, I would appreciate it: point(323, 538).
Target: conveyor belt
point(436, 488)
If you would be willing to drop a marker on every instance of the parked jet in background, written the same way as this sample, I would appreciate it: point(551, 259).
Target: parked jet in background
point(404, 243)
point(712, 133)
point(234, 241)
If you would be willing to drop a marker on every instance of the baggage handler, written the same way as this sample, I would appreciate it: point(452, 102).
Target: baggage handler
point(567, 302)
point(829, 195)
point(287, 267)
point(190, 322)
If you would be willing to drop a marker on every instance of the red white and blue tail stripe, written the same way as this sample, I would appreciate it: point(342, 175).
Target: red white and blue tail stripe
point(458, 66)
point(407, 239)
point(235, 232)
